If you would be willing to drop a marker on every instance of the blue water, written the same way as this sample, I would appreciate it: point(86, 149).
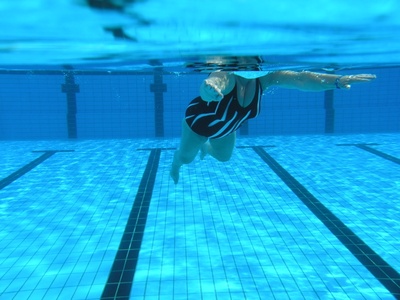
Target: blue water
point(140, 34)
point(91, 101)
point(227, 231)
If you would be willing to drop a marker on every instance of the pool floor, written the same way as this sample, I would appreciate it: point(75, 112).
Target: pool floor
point(288, 217)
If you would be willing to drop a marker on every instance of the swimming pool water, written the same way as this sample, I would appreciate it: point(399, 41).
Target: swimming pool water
point(91, 98)
point(111, 34)
point(88, 210)
point(226, 231)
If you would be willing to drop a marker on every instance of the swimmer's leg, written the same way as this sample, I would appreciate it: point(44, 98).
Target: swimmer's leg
point(221, 149)
point(190, 145)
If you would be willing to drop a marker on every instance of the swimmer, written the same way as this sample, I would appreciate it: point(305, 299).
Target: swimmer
point(228, 99)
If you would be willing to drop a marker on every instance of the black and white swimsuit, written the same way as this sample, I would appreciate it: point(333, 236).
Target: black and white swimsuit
point(218, 119)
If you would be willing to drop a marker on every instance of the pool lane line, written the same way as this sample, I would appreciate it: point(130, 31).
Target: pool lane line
point(174, 148)
point(149, 149)
point(381, 154)
point(329, 99)
point(25, 169)
point(70, 88)
point(120, 279)
point(158, 87)
point(382, 271)
point(252, 147)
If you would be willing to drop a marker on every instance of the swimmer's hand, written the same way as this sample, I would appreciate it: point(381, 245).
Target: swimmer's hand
point(345, 82)
point(209, 91)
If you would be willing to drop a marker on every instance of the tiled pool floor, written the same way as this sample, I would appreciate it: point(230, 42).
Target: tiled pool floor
point(289, 217)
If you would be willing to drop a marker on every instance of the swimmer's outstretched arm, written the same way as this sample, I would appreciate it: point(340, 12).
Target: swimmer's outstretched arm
point(216, 86)
point(311, 81)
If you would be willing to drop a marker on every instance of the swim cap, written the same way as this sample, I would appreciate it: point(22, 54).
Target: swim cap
point(251, 74)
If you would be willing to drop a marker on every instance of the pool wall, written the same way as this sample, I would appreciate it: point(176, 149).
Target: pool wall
point(48, 104)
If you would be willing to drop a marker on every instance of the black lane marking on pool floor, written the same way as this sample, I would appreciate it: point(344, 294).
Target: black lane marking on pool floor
point(374, 151)
point(238, 147)
point(149, 149)
point(120, 280)
point(387, 275)
point(25, 169)
point(252, 147)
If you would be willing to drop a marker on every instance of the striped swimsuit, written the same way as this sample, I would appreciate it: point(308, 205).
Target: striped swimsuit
point(218, 119)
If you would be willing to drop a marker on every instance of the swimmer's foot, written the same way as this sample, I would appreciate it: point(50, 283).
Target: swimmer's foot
point(203, 151)
point(174, 172)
